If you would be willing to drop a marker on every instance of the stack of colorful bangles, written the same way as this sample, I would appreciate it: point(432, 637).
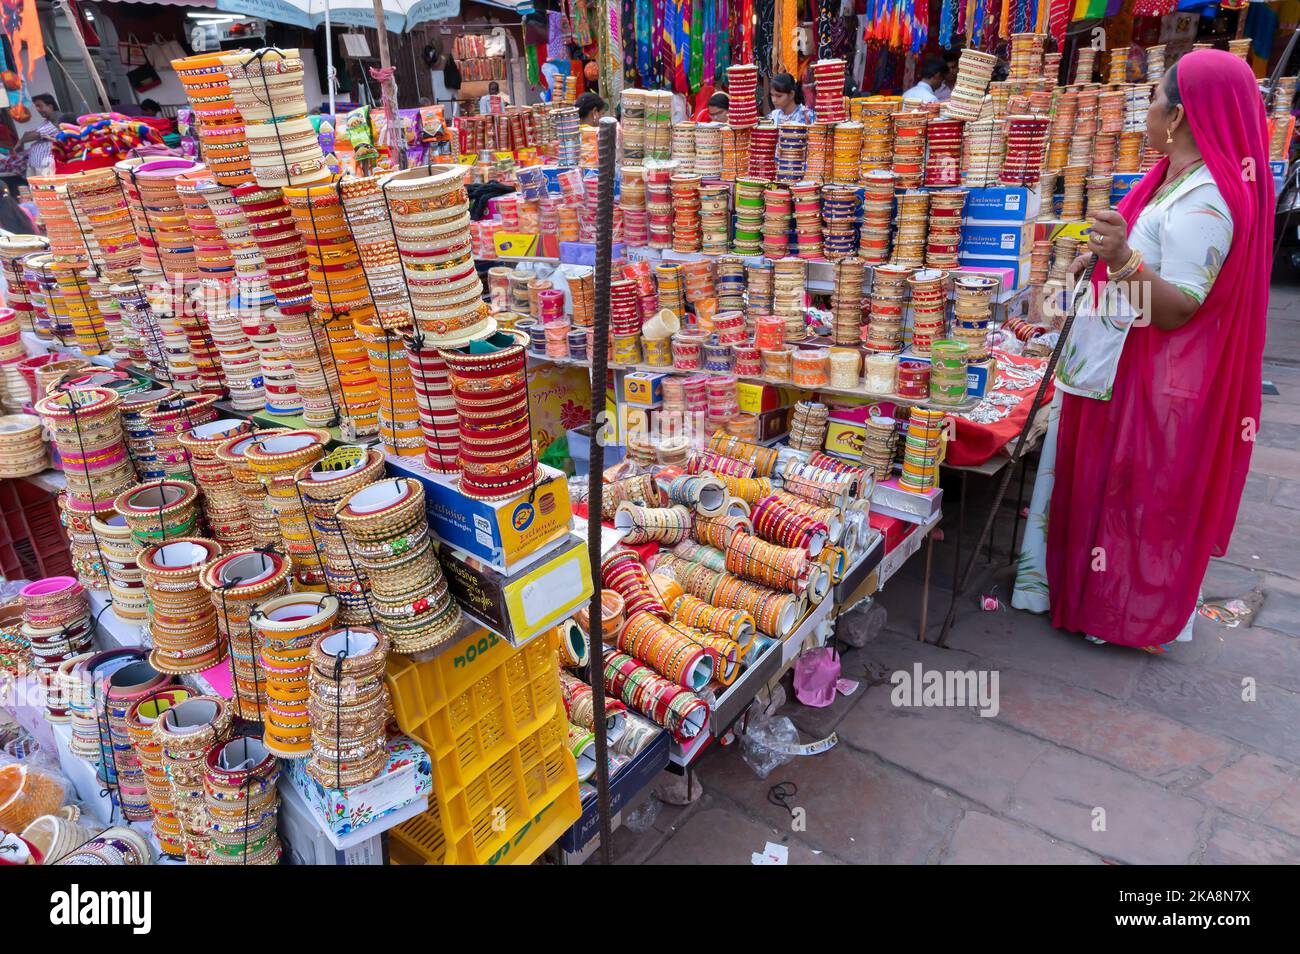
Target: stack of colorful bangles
point(125, 687)
point(223, 505)
point(235, 584)
point(182, 621)
point(348, 706)
point(242, 801)
point(187, 732)
point(387, 530)
point(324, 485)
point(140, 720)
point(159, 510)
point(57, 625)
point(277, 459)
point(232, 454)
point(286, 627)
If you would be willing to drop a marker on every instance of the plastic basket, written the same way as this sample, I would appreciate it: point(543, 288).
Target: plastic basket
point(491, 719)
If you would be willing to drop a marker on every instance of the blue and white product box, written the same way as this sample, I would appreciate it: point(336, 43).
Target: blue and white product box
point(1020, 266)
point(1121, 183)
point(406, 778)
point(1277, 167)
point(980, 377)
point(1013, 239)
point(1003, 204)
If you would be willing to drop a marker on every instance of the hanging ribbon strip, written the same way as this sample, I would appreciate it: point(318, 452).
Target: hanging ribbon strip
point(825, 23)
point(695, 69)
point(947, 20)
point(1059, 19)
point(722, 17)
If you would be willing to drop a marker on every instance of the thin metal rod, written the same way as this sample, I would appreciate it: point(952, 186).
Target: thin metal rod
point(1022, 442)
point(599, 366)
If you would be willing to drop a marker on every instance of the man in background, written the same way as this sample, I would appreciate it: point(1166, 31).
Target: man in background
point(933, 73)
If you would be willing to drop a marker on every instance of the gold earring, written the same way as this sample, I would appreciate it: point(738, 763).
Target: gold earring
point(1169, 135)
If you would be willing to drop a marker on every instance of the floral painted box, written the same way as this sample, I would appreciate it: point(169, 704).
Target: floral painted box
point(406, 779)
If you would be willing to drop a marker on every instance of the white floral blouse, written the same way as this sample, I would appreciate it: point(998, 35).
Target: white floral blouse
point(1184, 234)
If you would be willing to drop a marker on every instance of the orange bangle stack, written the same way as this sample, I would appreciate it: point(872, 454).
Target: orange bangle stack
point(286, 627)
point(220, 126)
point(276, 460)
point(399, 410)
point(140, 720)
point(341, 296)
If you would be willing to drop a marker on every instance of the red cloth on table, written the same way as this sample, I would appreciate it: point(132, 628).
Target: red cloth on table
point(973, 444)
point(644, 551)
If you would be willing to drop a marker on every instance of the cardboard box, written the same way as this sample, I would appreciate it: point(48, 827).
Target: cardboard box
point(501, 533)
point(1051, 230)
point(980, 377)
point(528, 601)
point(985, 238)
point(517, 244)
point(406, 778)
point(890, 499)
point(846, 430)
point(757, 398)
point(774, 424)
point(1009, 204)
point(1277, 168)
point(1122, 182)
point(644, 388)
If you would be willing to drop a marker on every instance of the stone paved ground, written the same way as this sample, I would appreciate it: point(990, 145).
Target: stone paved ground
point(1185, 770)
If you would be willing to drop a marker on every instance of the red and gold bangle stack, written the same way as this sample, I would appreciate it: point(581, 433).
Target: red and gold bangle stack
point(387, 530)
point(944, 237)
point(623, 573)
point(826, 488)
point(340, 295)
point(276, 460)
point(163, 212)
point(785, 526)
point(943, 152)
point(265, 528)
point(242, 802)
point(670, 652)
point(171, 418)
point(235, 584)
point(285, 628)
point(497, 456)
point(223, 505)
point(929, 308)
point(186, 732)
point(398, 404)
point(182, 620)
point(324, 485)
point(1022, 163)
point(348, 706)
point(430, 215)
point(367, 218)
point(685, 190)
point(229, 218)
point(267, 87)
point(212, 257)
point(141, 718)
point(762, 151)
point(438, 418)
point(909, 147)
point(220, 126)
point(828, 75)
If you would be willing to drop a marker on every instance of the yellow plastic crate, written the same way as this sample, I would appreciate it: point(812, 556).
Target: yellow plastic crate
point(492, 721)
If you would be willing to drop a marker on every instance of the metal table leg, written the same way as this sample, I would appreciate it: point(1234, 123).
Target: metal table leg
point(956, 558)
point(925, 586)
point(1014, 551)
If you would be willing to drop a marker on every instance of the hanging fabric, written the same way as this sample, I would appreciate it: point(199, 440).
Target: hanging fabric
point(947, 21)
point(825, 23)
point(1059, 19)
point(763, 32)
point(710, 43)
point(695, 66)
point(723, 19)
point(785, 52)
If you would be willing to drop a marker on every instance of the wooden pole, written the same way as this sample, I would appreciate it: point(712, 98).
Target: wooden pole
point(381, 26)
point(86, 58)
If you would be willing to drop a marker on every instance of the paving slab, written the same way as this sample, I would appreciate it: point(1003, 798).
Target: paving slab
point(982, 839)
point(1237, 842)
point(721, 835)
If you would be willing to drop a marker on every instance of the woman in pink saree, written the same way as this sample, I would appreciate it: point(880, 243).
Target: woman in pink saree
point(1151, 458)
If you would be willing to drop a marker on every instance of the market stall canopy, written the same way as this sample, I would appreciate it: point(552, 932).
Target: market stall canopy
point(399, 15)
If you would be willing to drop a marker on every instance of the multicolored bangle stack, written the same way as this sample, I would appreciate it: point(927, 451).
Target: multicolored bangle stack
point(735, 625)
point(367, 217)
point(386, 528)
point(578, 707)
point(398, 406)
point(113, 846)
point(159, 511)
point(220, 126)
point(170, 419)
point(223, 505)
point(267, 89)
point(324, 485)
point(141, 717)
point(57, 626)
point(232, 453)
point(242, 801)
point(348, 707)
point(125, 687)
point(430, 215)
point(665, 525)
point(684, 714)
point(182, 620)
point(187, 732)
point(285, 628)
point(277, 459)
point(785, 526)
point(668, 651)
point(236, 584)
